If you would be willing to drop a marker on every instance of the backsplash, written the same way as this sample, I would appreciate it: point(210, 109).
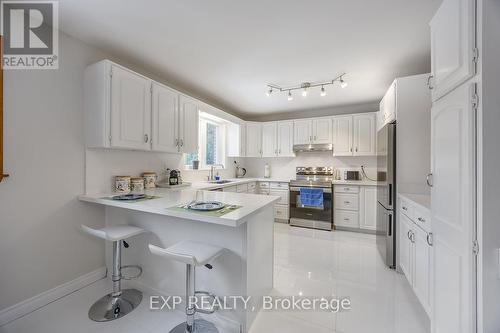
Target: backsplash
point(284, 167)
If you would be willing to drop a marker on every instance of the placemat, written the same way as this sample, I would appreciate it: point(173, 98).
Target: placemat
point(215, 213)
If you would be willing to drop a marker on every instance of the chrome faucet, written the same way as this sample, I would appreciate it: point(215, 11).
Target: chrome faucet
point(212, 168)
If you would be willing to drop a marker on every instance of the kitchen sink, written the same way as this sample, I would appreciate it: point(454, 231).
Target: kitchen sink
point(220, 181)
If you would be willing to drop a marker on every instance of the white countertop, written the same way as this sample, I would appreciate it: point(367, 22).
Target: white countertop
point(423, 200)
point(251, 204)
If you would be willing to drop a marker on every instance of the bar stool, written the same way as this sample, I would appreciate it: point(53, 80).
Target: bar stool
point(120, 302)
point(192, 254)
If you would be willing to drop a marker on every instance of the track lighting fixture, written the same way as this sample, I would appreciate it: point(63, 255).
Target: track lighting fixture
point(305, 86)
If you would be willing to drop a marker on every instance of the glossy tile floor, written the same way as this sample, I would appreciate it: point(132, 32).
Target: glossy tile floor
point(307, 263)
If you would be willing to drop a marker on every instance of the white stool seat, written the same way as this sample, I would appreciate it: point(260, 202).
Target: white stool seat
point(189, 252)
point(114, 233)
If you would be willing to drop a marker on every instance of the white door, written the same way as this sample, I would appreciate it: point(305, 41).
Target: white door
point(254, 140)
point(285, 138)
point(322, 130)
point(453, 213)
point(302, 132)
point(130, 110)
point(189, 117)
point(405, 247)
point(342, 136)
point(421, 267)
point(269, 146)
point(364, 135)
point(368, 207)
point(165, 136)
point(452, 45)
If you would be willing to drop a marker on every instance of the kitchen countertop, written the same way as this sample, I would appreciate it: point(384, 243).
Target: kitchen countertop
point(423, 200)
point(251, 204)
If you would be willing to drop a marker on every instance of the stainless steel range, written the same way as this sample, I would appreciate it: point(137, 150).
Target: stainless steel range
point(319, 215)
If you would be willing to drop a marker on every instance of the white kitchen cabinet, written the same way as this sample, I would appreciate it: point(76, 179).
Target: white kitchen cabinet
point(130, 109)
point(165, 129)
point(285, 139)
point(364, 134)
point(421, 266)
point(188, 124)
point(346, 218)
point(453, 148)
point(322, 130)
point(269, 139)
point(253, 139)
point(388, 105)
point(368, 207)
point(229, 189)
point(235, 136)
point(453, 52)
point(302, 132)
point(405, 247)
point(342, 136)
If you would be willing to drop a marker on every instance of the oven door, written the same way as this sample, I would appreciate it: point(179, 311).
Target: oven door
point(320, 217)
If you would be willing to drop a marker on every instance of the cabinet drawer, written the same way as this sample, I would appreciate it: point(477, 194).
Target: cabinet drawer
point(281, 212)
point(283, 194)
point(345, 218)
point(251, 186)
point(422, 218)
point(346, 189)
point(346, 201)
point(243, 188)
point(406, 208)
point(263, 184)
point(279, 186)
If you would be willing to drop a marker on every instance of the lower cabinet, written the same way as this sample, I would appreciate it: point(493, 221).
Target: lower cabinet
point(415, 258)
point(355, 207)
point(279, 189)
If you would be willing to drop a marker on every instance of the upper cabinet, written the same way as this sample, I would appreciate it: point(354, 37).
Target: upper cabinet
point(354, 135)
point(130, 100)
point(388, 105)
point(317, 130)
point(277, 139)
point(302, 131)
point(453, 50)
point(253, 139)
point(126, 110)
point(269, 145)
point(285, 139)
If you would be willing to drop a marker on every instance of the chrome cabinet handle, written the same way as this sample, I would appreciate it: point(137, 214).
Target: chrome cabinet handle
point(429, 180)
point(315, 138)
point(347, 202)
point(310, 138)
point(412, 237)
point(356, 149)
point(429, 239)
point(177, 142)
point(429, 82)
point(420, 219)
point(346, 219)
point(181, 142)
point(405, 208)
point(347, 189)
point(279, 151)
point(146, 138)
point(408, 234)
point(351, 149)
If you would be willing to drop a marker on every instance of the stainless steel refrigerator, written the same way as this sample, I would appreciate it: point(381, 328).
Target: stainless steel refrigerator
point(386, 194)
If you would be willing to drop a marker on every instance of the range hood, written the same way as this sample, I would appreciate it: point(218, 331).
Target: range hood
point(313, 147)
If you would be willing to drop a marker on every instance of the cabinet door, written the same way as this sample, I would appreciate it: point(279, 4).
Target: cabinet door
point(364, 135)
point(452, 45)
point(269, 147)
point(322, 130)
point(189, 116)
point(368, 207)
point(254, 140)
point(165, 129)
point(405, 247)
point(390, 103)
point(130, 110)
point(453, 139)
point(285, 138)
point(421, 267)
point(302, 132)
point(342, 136)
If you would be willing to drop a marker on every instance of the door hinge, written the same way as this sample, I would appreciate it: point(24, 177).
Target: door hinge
point(475, 55)
point(475, 247)
point(475, 100)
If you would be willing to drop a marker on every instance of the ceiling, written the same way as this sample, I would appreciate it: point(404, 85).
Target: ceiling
point(226, 51)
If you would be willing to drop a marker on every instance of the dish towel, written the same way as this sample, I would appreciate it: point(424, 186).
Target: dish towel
point(312, 197)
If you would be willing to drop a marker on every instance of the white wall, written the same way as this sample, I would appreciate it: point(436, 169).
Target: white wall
point(40, 245)
point(284, 167)
point(489, 156)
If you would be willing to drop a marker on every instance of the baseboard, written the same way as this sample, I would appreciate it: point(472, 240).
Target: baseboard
point(31, 304)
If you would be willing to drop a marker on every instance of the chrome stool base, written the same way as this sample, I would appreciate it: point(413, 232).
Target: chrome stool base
point(200, 326)
point(110, 308)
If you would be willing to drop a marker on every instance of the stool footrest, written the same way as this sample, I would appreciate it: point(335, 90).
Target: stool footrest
point(211, 300)
point(132, 277)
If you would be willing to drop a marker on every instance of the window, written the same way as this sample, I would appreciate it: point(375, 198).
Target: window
point(211, 144)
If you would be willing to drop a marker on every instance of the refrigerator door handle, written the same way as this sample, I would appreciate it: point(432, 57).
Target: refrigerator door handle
point(390, 195)
point(389, 226)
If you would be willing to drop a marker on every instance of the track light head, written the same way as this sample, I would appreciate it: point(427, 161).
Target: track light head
point(290, 96)
point(269, 92)
point(343, 84)
point(323, 91)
